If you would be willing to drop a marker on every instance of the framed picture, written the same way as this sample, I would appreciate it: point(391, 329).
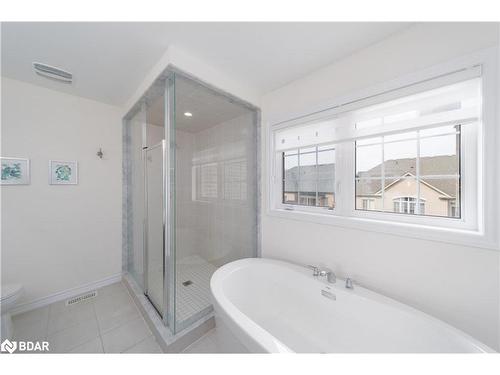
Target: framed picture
point(15, 171)
point(63, 172)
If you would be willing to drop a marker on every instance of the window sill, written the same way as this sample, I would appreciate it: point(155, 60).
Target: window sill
point(430, 233)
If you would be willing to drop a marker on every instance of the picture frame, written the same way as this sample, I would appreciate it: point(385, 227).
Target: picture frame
point(63, 172)
point(15, 171)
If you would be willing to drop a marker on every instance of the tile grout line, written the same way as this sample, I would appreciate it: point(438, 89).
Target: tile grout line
point(204, 337)
point(98, 327)
point(137, 343)
point(63, 329)
point(68, 351)
point(73, 325)
point(118, 326)
point(123, 323)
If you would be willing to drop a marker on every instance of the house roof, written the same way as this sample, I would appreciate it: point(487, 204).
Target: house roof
point(394, 171)
point(406, 168)
point(326, 178)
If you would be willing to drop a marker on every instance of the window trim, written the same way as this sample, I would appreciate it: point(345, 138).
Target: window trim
point(293, 206)
point(482, 234)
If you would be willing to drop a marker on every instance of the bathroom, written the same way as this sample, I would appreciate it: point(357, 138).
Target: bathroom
point(201, 189)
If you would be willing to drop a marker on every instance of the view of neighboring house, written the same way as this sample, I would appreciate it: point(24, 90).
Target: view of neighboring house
point(315, 185)
point(438, 194)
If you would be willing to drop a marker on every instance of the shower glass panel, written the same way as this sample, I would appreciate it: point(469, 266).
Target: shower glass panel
point(134, 131)
point(154, 157)
point(191, 193)
point(215, 191)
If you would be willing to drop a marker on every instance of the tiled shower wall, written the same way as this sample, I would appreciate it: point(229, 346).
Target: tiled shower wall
point(216, 191)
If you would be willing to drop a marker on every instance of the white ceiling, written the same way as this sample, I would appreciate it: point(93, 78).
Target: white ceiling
point(207, 107)
point(109, 60)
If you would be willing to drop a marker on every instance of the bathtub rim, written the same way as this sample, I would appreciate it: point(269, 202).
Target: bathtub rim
point(256, 337)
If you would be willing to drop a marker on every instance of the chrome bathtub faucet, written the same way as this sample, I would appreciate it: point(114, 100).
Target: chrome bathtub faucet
point(325, 272)
point(349, 283)
point(314, 269)
point(329, 274)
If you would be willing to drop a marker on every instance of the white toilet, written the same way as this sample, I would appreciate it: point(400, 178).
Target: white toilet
point(8, 300)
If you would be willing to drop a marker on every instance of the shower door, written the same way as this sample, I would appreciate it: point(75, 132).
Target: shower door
point(154, 160)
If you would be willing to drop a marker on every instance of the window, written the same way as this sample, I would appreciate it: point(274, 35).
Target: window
point(405, 156)
point(422, 164)
point(309, 176)
point(204, 181)
point(407, 205)
point(235, 180)
point(453, 210)
point(368, 203)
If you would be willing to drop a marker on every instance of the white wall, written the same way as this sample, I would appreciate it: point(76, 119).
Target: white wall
point(457, 284)
point(65, 236)
point(190, 64)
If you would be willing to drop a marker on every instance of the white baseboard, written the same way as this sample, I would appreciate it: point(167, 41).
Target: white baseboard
point(65, 294)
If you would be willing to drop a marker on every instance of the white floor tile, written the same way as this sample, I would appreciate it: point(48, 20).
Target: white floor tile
point(93, 346)
point(125, 336)
point(204, 345)
point(31, 325)
point(146, 346)
point(70, 338)
point(62, 316)
point(115, 310)
point(111, 289)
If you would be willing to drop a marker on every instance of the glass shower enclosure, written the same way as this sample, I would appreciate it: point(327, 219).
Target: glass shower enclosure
point(191, 192)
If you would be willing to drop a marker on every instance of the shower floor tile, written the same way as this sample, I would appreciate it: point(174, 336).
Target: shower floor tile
point(194, 297)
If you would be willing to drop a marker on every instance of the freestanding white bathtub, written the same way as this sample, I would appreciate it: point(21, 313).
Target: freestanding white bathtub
point(270, 306)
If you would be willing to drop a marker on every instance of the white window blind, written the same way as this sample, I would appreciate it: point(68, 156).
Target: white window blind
point(455, 100)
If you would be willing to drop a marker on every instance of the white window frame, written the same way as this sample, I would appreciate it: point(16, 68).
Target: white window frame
point(478, 224)
point(291, 207)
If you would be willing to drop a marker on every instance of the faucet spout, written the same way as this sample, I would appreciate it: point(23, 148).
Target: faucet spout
point(329, 274)
point(323, 272)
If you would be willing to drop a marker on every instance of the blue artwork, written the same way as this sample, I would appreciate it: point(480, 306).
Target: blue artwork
point(11, 171)
point(63, 172)
point(14, 171)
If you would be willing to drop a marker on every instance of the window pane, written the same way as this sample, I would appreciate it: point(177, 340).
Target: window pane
point(326, 179)
point(309, 177)
point(326, 157)
point(441, 196)
point(209, 181)
point(400, 158)
point(439, 130)
point(307, 150)
point(368, 194)
point(368, 161)
point(439, 155)
point(369, 141)
point(290, 179)
point(400, 195)
point(326, 148)
point(235, 180)
point(400, 136)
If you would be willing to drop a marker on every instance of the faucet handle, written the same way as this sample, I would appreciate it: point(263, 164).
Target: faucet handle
point(349, 283)
point(314, 269)
point(329, 274)
point(324, 271)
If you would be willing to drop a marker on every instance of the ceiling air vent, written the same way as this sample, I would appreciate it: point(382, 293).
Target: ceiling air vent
point(52, 73)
